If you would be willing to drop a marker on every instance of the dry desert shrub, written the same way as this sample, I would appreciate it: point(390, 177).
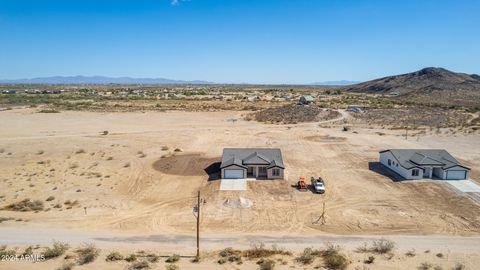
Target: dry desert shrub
point(266, 264)
point(153, 258)
point(459, 266)
point(139, 265)
point(308, 256)
point(114, 256)
point(131, 258)
point(87, 254)
point(173, 259)
point(370, 260)
point(410, 253)
point(171, 267)
point(2, 219)
point(425, 266)
point(227, 252)
point(6, 253)
point(333, 259)
point(380, 246)
point(260, 251)
point(57, 250)
point(28, 251)
point(25, 205)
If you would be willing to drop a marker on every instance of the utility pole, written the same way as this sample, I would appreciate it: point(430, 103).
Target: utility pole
point(196, 213)
point(198, 225)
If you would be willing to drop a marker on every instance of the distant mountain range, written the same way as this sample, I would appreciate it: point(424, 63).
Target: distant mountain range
point(130, 80)
point(429, 85)
point(334, 83)
point(99, 80)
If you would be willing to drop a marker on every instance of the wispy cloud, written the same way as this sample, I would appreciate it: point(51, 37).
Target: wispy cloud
point(177, 2)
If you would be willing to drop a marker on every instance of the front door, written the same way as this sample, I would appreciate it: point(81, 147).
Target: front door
point(250, 171)
point(426, 172)
point(262, 171)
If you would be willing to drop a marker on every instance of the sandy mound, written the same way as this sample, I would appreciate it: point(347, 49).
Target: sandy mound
point(239, 202)
point(187, 164)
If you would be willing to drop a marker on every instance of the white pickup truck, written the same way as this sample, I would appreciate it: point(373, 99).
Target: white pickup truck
point(318, 185)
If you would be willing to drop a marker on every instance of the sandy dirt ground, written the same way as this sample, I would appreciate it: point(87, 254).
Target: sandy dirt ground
point(143, 176)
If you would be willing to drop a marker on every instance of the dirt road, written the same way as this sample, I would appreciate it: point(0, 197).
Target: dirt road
point(24, 236)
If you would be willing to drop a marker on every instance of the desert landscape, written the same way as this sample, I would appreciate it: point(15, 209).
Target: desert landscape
point(124, 180)
point(239, 135)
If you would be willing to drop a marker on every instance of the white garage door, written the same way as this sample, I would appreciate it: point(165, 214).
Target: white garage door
point(233, 174)
point(455, 175)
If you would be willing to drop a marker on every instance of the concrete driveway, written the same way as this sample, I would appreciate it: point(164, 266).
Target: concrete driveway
point(233, 184)
point(465, 185)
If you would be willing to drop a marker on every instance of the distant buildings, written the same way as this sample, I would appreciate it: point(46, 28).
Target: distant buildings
point(305, 100)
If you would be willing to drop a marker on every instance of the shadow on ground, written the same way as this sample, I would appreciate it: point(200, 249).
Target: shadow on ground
point(382, 170)
point(213, 171)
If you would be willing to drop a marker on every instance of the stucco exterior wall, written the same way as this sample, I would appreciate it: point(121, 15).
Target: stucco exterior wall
point(405, 173)
point(270, 173)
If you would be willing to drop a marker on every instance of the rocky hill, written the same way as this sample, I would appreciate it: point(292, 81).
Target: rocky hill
point(429, 85)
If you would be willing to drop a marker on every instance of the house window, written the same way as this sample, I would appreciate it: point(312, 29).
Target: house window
point(415, 172)
point(262, 170)
point(396, 165)
point(276, 172)
point(389, 162)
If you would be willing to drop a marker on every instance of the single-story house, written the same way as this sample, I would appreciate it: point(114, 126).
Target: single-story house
point(306, 100)
point(424, 163)
point(260, 163)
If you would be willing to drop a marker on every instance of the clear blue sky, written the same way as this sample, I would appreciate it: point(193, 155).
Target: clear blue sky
point(256, 41)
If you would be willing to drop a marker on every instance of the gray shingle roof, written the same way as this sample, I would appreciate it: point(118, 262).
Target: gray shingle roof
point(252, 156)
point(410, 158)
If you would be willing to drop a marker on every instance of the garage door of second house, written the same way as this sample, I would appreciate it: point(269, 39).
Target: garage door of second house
point(233, 174)
point(455, 175)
